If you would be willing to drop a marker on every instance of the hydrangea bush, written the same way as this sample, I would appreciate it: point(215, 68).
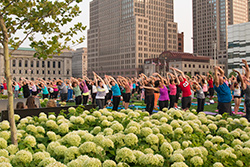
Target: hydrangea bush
point(169, 138)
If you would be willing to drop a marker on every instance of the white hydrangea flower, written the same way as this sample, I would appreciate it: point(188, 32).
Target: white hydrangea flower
point(149, 160)
point(60, 150)
point(218, 164)
point(73, 139)
point(196, 161)
point(56, 164)
point(187, 129)
point(166, 129)
point(96, 130)
point(218, 117)
point(51, 147)
point(109, 163)
point(51, 135)
point(223, 154)
point(117, 127)
point(147, 124)
point(5, 134)
point(222, 131)
point(131, 139)
point(97, 114)
point(89, 119)
point(51, 124)
point(87, 147)
point(23, 157)
point(125, 155)
point(63, 128)
point(176, 145)
point(5, 164)
point(31, 140)
point(79, 120)
point(177, 158)
point(88, 137)
point(246, 151)
point(247, 144)
point(108, 131)
point(106, 123)
point(41, 119)
point(5, 125)
point(178, 131)
point(72, 110)
point(92, 162)
point(188, 152)
point(12, 149)
point(71, 153)
point(38, 157)
point(185, 144)
point(4, 159)
point(4, 153)
point(244, 121)
point(152, 139)
point(208, 144)
point(217, 139)
point(46, 162)
point(137, 154)
point(244, 137)
point(166, 149)
point(179, 164)
point(17, 117)
point(41, 146)
point(239, 163)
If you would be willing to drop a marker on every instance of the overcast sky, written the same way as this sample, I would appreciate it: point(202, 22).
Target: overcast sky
point(183, 16)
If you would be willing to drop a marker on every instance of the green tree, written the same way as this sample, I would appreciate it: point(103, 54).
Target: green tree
point(44, 17)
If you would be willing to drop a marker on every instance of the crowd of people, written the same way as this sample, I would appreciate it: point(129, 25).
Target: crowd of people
point(156, 90)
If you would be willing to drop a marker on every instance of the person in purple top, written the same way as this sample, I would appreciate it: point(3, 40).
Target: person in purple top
point(160, 87)
point(85, 91)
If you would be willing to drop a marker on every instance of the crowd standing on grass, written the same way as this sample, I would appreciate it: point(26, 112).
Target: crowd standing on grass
point(156, 91)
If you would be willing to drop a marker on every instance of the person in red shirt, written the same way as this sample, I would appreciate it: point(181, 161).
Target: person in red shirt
point(185, 88)
point(5, 88)
point(211, 86)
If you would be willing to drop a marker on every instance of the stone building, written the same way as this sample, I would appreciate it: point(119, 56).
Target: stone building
point(123, 33)
point(187, 62)
point(79, 62)
point(23, 64)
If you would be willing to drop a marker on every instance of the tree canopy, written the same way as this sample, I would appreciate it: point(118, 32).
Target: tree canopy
point(44, 17)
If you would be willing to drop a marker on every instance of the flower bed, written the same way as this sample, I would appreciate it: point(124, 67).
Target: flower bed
point(127, 138)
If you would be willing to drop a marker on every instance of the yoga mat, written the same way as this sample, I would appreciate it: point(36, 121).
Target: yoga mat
point(209, 113)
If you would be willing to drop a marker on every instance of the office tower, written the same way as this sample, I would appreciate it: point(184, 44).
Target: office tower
point(210, 21)
point(125, 32)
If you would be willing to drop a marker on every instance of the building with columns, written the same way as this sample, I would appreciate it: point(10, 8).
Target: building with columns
point(23, 64)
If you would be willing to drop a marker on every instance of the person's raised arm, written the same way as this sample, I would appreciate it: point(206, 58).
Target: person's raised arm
point(148, 87)
point(181, 72)
point(243, 85)
point(112, 79)
point(221, 71)
point(247, 68)
point(177, 79)
point(216, 77)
